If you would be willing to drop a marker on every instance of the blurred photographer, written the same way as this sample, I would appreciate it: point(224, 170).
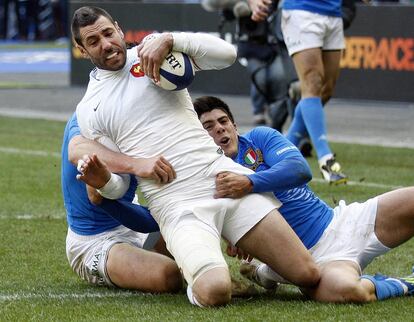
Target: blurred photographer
point(262, 50)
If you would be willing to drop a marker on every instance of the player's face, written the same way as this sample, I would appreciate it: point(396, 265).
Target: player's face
point(103, 43)
point(222, 130)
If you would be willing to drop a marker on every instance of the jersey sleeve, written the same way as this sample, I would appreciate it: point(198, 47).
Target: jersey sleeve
point(287, 167)
point(206, 51)
point(130, 215)
point(74, 129)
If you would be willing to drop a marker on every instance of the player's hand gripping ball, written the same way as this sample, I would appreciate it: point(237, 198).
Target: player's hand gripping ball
point(176, 72)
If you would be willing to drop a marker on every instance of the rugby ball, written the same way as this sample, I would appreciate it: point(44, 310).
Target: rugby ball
point(176, 72)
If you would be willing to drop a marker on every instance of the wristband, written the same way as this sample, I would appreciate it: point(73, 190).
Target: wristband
point(115, 188)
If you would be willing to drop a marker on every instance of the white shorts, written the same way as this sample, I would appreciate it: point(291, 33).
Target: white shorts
point(350, 236)
point(304, 30)
point(87, 254)
point(193, 238)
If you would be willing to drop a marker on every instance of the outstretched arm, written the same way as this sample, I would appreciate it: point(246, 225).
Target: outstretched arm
point(97, 176)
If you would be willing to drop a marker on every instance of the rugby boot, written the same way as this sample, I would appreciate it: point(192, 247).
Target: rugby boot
point(331, 172)
point(249, 271)
point(409, 282)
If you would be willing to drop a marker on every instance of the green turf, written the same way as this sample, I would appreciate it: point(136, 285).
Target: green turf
point(20, 85)
point(36, 283)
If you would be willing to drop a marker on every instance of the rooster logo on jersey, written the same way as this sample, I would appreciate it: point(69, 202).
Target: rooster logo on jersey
point(136, 70)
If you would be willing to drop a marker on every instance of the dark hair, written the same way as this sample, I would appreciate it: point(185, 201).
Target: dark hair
point(86, 16)
point(206, 104)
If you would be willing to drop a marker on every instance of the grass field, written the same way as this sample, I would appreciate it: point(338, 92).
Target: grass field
point(36, 283)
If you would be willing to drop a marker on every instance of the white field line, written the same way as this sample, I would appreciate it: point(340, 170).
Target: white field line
point(29, 152)
point(363, 184)
point(31, 217)
point(63, 296)
point(29, 113)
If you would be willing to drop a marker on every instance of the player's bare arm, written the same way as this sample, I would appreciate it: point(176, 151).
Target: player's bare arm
point(232, 185)
point(156, 168)
point(152, 52)
point(116, 162)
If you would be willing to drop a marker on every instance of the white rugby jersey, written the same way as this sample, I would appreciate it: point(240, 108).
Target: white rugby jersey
point(144, 120)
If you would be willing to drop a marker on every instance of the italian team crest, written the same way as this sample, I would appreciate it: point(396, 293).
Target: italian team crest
point(136, 70)
point(253, 158)
point(250, 157)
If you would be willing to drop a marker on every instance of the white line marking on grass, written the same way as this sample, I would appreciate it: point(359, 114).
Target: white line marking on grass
point(63, 296)
point(29, 113)
point(31, 217)
point(29, 152)
point(362, 184)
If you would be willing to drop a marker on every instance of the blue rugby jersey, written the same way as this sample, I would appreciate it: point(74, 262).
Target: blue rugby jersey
point(280, 168)
point(323, 7)
point(82, 216)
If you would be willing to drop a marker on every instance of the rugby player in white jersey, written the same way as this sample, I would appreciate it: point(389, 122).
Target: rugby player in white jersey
point(144, 120)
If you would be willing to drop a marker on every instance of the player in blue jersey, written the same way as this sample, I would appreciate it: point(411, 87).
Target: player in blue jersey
point(100, 249)
point(313, 33)
point(343, 240)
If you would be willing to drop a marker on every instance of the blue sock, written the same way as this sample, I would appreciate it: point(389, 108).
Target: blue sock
point(385, 287)
point(314, 119)
point(297, 129)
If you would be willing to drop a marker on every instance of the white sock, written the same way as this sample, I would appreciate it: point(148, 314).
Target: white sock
point(326, 157)
point(192, 298)
point(264, 271)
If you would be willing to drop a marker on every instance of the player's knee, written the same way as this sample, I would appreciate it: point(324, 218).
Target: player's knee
point(342, 292)
point(215, 294)
point(213, 291)
point(355, 293)
point(308, 276)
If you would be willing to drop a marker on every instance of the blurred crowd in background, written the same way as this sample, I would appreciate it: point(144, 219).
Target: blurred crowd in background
point(34, 20)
